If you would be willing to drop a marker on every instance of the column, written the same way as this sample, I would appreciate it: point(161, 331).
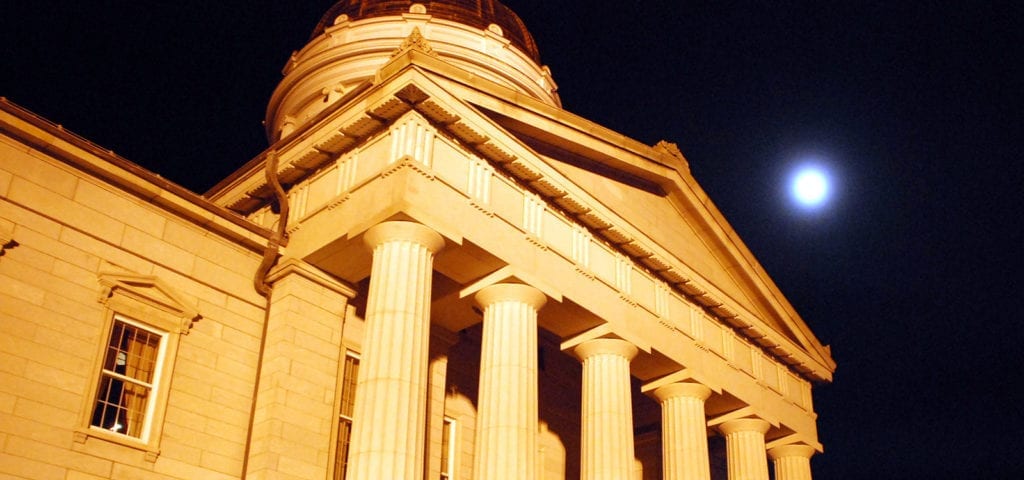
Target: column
point(684, 433)
point(607, 443)
point(506, 438)
point(389, 416)
point(744, 448)
point(792, 462)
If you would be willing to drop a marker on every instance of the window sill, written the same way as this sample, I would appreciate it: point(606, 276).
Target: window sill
point(149, 450)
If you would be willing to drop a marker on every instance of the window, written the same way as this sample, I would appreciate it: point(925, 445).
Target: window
point(348, 399)
point(143, 323)
point(128, 380)
point(448, 448)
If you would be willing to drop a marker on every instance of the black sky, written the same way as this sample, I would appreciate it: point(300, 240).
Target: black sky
point(912, 274)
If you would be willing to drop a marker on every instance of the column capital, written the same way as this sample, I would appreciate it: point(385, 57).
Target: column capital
point(682, 389)
point(745, 425)
point(517, 292)
point(791, 450)
point(404, 231)
point(606, 346)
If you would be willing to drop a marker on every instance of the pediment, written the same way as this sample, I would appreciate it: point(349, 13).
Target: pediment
point(646, 187)
point(151, 294)
point(627, 206)
point(639, 199)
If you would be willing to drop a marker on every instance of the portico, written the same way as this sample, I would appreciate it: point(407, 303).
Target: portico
point(510, 312)
point(586, 289)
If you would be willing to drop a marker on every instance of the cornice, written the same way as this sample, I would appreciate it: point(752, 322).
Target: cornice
point(67, 147)
point(293, 266)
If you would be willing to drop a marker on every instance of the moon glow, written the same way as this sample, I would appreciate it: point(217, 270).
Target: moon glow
point(810, 186)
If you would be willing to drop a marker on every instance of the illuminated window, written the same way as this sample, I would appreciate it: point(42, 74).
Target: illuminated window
point(127, 384)
point(448, 448)
point(143, 323)
point(348, 400)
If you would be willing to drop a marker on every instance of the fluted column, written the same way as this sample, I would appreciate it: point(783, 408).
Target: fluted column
point(792, 462)
point(389, 415)
point(684, 433)
point(506, 445)
point(607, 443)
point(744, 448)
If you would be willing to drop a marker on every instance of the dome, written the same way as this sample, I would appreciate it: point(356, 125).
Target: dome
point(356, 38)
point(475, 13)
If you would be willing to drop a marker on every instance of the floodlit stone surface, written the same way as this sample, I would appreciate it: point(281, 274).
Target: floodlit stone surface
point(684, 431)
point(607, 410)
point(744, 442)
point(792, 462)
point(507, 236)
point(390, 407)
point(507, 421)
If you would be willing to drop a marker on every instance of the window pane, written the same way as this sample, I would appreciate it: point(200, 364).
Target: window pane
point(109, 414)
point(134, 401)
point(348, 385)
point(341, 460)
point(142, 347)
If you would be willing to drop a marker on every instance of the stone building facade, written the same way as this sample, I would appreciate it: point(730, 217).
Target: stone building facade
point(433, 272)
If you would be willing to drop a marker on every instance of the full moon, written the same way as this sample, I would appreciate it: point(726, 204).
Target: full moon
point(810, 186)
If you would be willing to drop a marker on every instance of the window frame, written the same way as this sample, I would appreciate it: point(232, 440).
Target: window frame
point(152, 387)
point(142, 301)
point(342, 383)
point(450, 426)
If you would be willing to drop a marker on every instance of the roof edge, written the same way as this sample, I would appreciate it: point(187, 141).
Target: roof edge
point(129, 176)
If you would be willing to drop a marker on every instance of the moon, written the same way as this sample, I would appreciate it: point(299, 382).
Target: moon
point(810, 186)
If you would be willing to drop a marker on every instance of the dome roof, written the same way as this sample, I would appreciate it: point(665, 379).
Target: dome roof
point(355, 39)
point(475, 13)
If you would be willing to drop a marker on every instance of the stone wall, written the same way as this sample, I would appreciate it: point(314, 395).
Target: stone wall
point(73, 230)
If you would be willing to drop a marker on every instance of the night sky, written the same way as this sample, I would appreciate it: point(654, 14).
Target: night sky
point(911, 273)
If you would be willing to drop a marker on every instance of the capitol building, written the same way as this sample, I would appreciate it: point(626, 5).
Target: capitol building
point(433, 272)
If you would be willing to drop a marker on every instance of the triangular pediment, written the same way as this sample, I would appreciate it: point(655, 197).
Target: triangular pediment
point(642, 187)
point(639, 199)
point(151, 292)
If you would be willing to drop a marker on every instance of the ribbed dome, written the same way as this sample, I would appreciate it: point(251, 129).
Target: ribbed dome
point(475, 13)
